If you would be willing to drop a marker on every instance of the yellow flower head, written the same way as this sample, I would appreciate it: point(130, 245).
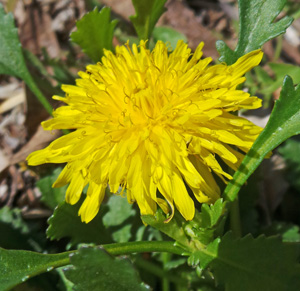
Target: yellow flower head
point(155, 123)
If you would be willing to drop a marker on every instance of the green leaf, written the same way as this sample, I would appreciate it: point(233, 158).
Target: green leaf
point(119, 211)
point(207, 224)
point(18, 266)
point(206, 255)
point(281, 70)
point(263, 76)
point(211, 214)
point(291, 233)
point(62, 69)
point(147, 14)
point(256, 27)
point(175, 263)
point(168, 34)
point(249, 264)
point(51, 196)
point(287, 231)
point(174, 228)
point(119, 218)
point(123, 234)
point(94, 269)
point(11, 57)
point(290, 152)
point(95, 33)
point(203, 229)
point(259, 81)
point(15, 229)
point(13, 217)
point(33, 60)
point(65, 222)
point(42, 77)
point(284, 122)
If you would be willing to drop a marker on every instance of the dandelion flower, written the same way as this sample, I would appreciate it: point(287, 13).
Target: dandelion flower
point(157, 123)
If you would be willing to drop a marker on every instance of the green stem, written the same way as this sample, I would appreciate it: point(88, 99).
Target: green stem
point(61, 262)
point(37, 92)
point(130, 248)
point(63, 259)
point(142, 247)
point(165, 281)
point(278, 48)
point(235, 221)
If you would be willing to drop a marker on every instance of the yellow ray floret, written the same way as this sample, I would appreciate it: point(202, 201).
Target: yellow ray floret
point(153, 123)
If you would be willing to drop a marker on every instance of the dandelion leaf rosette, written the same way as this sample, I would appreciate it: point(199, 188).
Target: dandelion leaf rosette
point(155, 123)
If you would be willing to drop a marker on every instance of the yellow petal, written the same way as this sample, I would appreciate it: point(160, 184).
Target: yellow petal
point(92, 202)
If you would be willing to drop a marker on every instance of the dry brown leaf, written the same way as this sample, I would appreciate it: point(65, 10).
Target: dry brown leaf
point(291, 52)
point(15, 100)
point(183, 19)
point(39, 140)
point(4, 161)
point(36, 213)
point(7, 90)
point(123, 8)
point(178, 16)
point(36, 31)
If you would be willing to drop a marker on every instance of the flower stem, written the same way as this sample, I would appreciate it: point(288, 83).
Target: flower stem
point(143, 246)
point(235, 221)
